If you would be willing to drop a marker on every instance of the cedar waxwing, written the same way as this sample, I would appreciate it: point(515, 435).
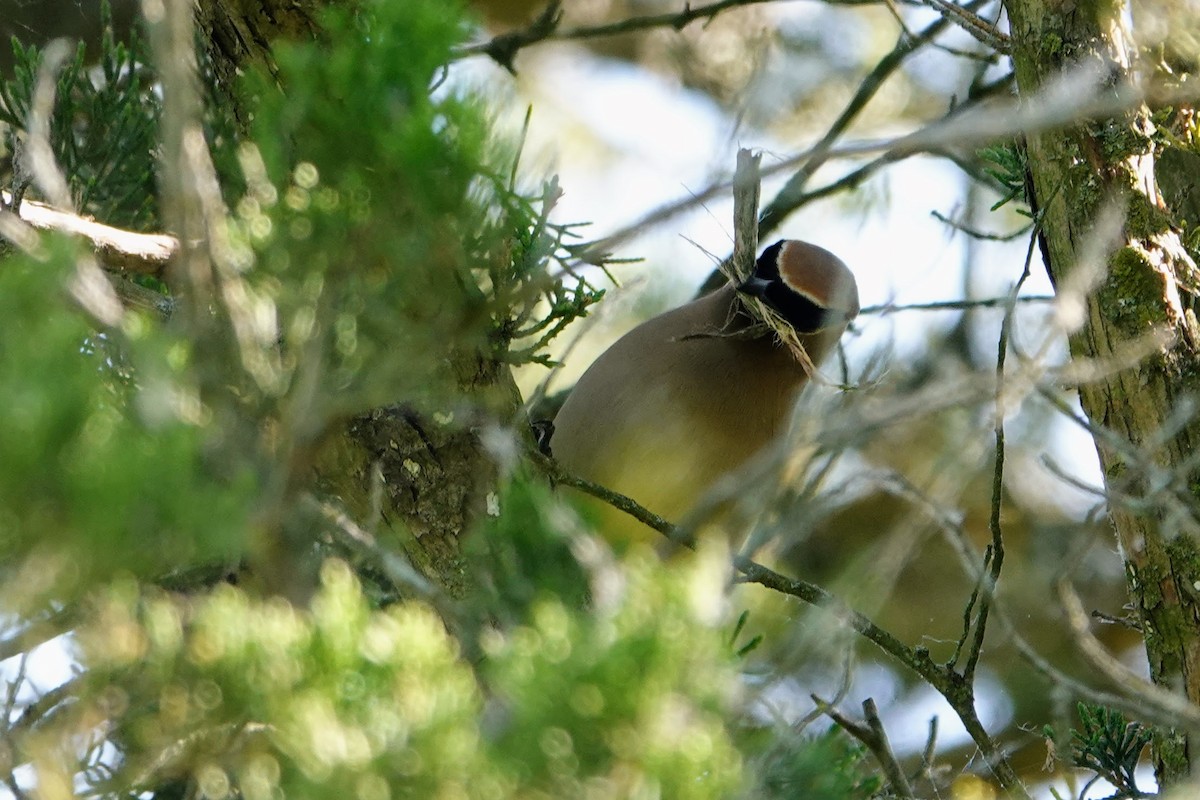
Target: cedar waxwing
point(677, 402)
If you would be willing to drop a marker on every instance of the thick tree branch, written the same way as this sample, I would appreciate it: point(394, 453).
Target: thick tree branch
point(116, 249)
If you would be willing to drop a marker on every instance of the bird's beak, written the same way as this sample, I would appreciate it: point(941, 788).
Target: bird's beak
point(754, 286)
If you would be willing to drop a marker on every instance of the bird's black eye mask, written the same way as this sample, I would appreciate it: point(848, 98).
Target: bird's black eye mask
point(802, 314)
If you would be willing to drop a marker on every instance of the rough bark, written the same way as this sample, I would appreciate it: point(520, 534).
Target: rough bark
point(238, 32)
point(1075, 172)
point(420, 479)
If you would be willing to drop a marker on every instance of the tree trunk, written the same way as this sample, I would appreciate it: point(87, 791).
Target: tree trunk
point(421, 479)
point(1145, 444)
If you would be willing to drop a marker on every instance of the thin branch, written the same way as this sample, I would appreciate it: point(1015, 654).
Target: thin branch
point(746, 188)
point(957, 692)
point(619, 501)
point(36, 634)
point(398, 570)
point(927, 755)
point(1141, 700)
point(995, 553)
point(1133, 684)
point(503, 49)
point(117, 250)
point(983, 31)
point(88, 286)
point(10, 782)
point(955, 305)
point(978, 234)
point(998, 121)
point(843, 689)
point(1159, 708)
point(1129, 621)
point(791, 195)
point(1061, 473)
point(36, 711)
point(38, 153)
point(968, 614)
point(1151, 705)
point(1166, 489)
point(875, 738)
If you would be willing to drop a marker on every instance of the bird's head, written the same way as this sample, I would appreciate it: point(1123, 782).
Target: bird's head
point(808, 285)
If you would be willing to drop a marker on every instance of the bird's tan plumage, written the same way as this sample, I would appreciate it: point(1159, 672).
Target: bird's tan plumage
point(678, 402)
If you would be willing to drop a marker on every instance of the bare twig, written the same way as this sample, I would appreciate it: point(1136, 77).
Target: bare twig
point(843, 689)
point(994, 559)
point(873, 735)
point(36, 711)
point(18, 233)
point(170, 27)
point(790, 199)
point(397, 569)
point(978, 234)
point(503, 49)
point(619, 501)
point(983, 31)
point(1128, 620)
point(112, 241)
point(36, 633)
point(205, 270)
point(968, 614)
point(1131, 683)
point(791, 196)
point(957, 692)
point(745, 245)
point(998, 121)
point(928, 753)
point(10, 783)
point(1152, 486)
point(1156, 708)
point(955, 305)
point(746, 187)
point(1153, 705)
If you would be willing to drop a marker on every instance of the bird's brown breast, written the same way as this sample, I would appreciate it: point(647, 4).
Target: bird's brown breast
point(676, 404)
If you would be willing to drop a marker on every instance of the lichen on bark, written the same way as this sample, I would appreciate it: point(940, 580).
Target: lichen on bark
point(1077, 172)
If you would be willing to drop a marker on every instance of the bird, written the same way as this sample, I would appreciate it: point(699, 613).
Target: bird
point(692, 394)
